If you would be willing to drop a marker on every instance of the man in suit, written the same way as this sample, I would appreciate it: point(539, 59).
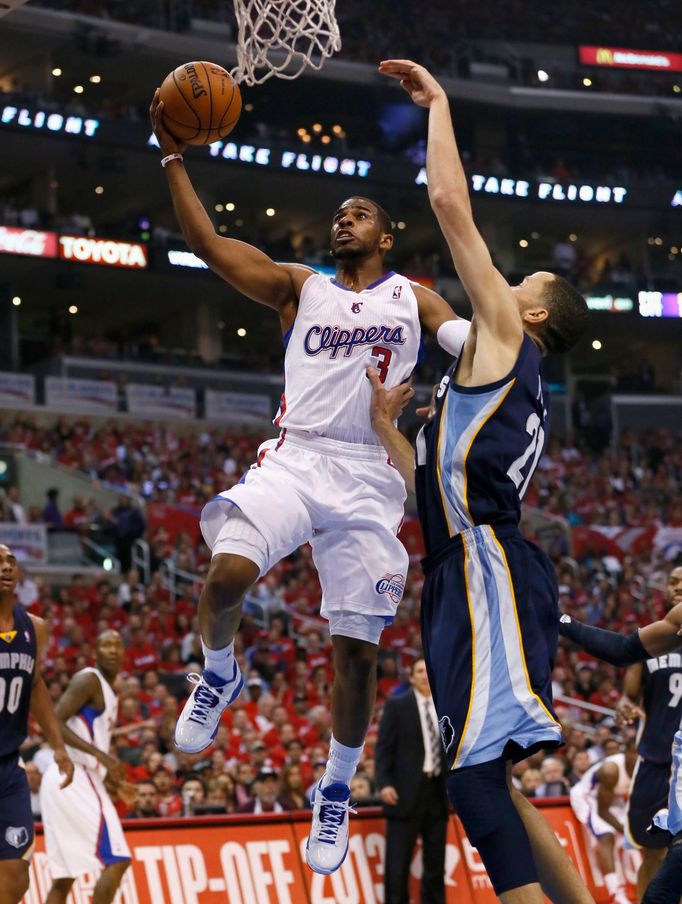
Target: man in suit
point(410, 774)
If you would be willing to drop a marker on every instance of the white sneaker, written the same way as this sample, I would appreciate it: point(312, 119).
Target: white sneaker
point(200, 716)
point(328, 840)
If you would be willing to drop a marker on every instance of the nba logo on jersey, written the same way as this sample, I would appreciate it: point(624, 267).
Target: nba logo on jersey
point(397, 292)
point(393, 585)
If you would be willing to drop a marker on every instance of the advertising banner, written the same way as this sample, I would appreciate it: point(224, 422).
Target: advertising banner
point(17, 390)
point(85, 396)
point(28, 542)
point(237, 407)
point(623, 58)
point(111, 253)
point(256, 860)
point(30, 242)
point(146, 400)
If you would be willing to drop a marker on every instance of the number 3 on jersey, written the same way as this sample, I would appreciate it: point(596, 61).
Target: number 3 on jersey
point(383, 356)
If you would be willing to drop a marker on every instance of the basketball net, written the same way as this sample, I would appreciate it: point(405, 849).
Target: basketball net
point(283, 37)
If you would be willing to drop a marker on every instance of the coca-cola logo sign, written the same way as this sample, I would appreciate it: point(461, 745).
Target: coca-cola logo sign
point(31, 242)
point(84, 250)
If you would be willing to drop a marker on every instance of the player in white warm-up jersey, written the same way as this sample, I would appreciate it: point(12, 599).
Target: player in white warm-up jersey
point(326, 479)
point(599, 802)
point(83, 832)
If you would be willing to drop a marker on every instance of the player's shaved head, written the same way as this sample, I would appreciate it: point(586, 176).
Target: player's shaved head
point(108, 634)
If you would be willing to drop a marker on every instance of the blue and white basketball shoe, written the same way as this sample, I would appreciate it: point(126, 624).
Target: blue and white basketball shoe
point(328, 841)
point(200, 716)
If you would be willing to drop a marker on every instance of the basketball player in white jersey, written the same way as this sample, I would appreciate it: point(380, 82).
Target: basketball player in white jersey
point(326, 479)
point(82, 830)
point(599, 802)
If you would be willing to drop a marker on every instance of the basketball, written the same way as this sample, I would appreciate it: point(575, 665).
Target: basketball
point(201, 101)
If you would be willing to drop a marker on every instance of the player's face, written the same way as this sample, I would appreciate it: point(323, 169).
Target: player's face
point(673, 591)
point(109, 652)
point(9, 573)
point(530, 292)
point(356, 231)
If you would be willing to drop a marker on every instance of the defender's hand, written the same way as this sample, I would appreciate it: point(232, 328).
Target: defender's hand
point(168, 143)
point(387, 404)
point(416, 80)
point(627, 712)
point(429, 411)
point(65, 765)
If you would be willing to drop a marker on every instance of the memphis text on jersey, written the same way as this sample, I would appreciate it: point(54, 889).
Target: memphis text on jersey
point(333, 338)
point(17, 661)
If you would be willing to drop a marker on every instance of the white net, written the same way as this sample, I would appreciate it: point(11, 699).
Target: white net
point(283, 37)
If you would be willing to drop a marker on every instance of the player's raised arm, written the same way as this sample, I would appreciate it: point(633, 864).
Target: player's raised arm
point(490, 294)
point(246, 268)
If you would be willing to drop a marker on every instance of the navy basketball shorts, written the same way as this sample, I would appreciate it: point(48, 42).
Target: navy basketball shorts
point(648, 795)
point(489, 628)
point(16, 819)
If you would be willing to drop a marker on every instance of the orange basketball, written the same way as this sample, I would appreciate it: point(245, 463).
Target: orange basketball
point(202, 102)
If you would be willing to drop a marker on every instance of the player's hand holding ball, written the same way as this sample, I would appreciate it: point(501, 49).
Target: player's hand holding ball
point(168, 143)
point(416, 80)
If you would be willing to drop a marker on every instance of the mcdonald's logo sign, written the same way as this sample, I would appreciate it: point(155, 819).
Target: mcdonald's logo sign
point(624, 58)
point(604, 56)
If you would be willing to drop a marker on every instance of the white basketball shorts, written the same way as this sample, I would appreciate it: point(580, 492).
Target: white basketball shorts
point(345, 499)
point(82, 830)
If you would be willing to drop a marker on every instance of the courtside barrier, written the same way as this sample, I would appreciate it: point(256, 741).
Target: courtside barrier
point(259, 860)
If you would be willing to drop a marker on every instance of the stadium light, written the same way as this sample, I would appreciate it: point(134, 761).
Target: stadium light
point(543, 76)
point(596, 344)
point(16, 301)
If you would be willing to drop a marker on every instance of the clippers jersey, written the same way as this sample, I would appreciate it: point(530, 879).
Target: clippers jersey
point(18, 649)
point(662, 705)
point(476, 457)
point(94, 726)
point(584, 794)
point(337, 334)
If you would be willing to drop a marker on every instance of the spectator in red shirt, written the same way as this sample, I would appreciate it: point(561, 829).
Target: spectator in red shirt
point(77, 518)
point(169, 800)
point(141, 655)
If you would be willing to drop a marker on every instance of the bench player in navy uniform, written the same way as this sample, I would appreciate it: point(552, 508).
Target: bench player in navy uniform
point(23, 638)
point(656, 643)
point(652, 692)
point(490, 599)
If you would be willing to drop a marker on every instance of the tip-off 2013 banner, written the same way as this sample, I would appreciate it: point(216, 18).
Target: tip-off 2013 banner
point(623, 58)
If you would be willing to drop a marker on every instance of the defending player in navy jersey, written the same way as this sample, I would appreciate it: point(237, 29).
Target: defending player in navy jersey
point(658, 647)
point(23, 637)
point(490, 598)
point(325, 480)
point(652, 692)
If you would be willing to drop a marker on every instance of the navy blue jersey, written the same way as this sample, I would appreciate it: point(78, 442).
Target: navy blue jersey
point(18, 650)
point(476, 457)
point(662, 705)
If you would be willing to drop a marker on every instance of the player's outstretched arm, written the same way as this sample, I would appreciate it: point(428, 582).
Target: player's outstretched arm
point(661, 637)
point(490, 294)
point(246, 268)
point(386, 407)
point(43, 710)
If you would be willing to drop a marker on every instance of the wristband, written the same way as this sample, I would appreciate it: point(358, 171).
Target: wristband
point(166, 160)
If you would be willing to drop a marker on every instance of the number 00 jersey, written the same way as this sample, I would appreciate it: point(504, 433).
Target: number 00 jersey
point(17, 667)
point(662, 705)
point(337, 334)
point(476, 457)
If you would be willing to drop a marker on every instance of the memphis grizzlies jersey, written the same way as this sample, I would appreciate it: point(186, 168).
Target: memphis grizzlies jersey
point(18, 650)
point(94, 725)
point(476, 457)
point(662, 704)
point(337, 334)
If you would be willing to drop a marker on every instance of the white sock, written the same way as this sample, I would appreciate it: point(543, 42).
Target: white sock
point(219, 661)
point(612, 883)
point(341, 764)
